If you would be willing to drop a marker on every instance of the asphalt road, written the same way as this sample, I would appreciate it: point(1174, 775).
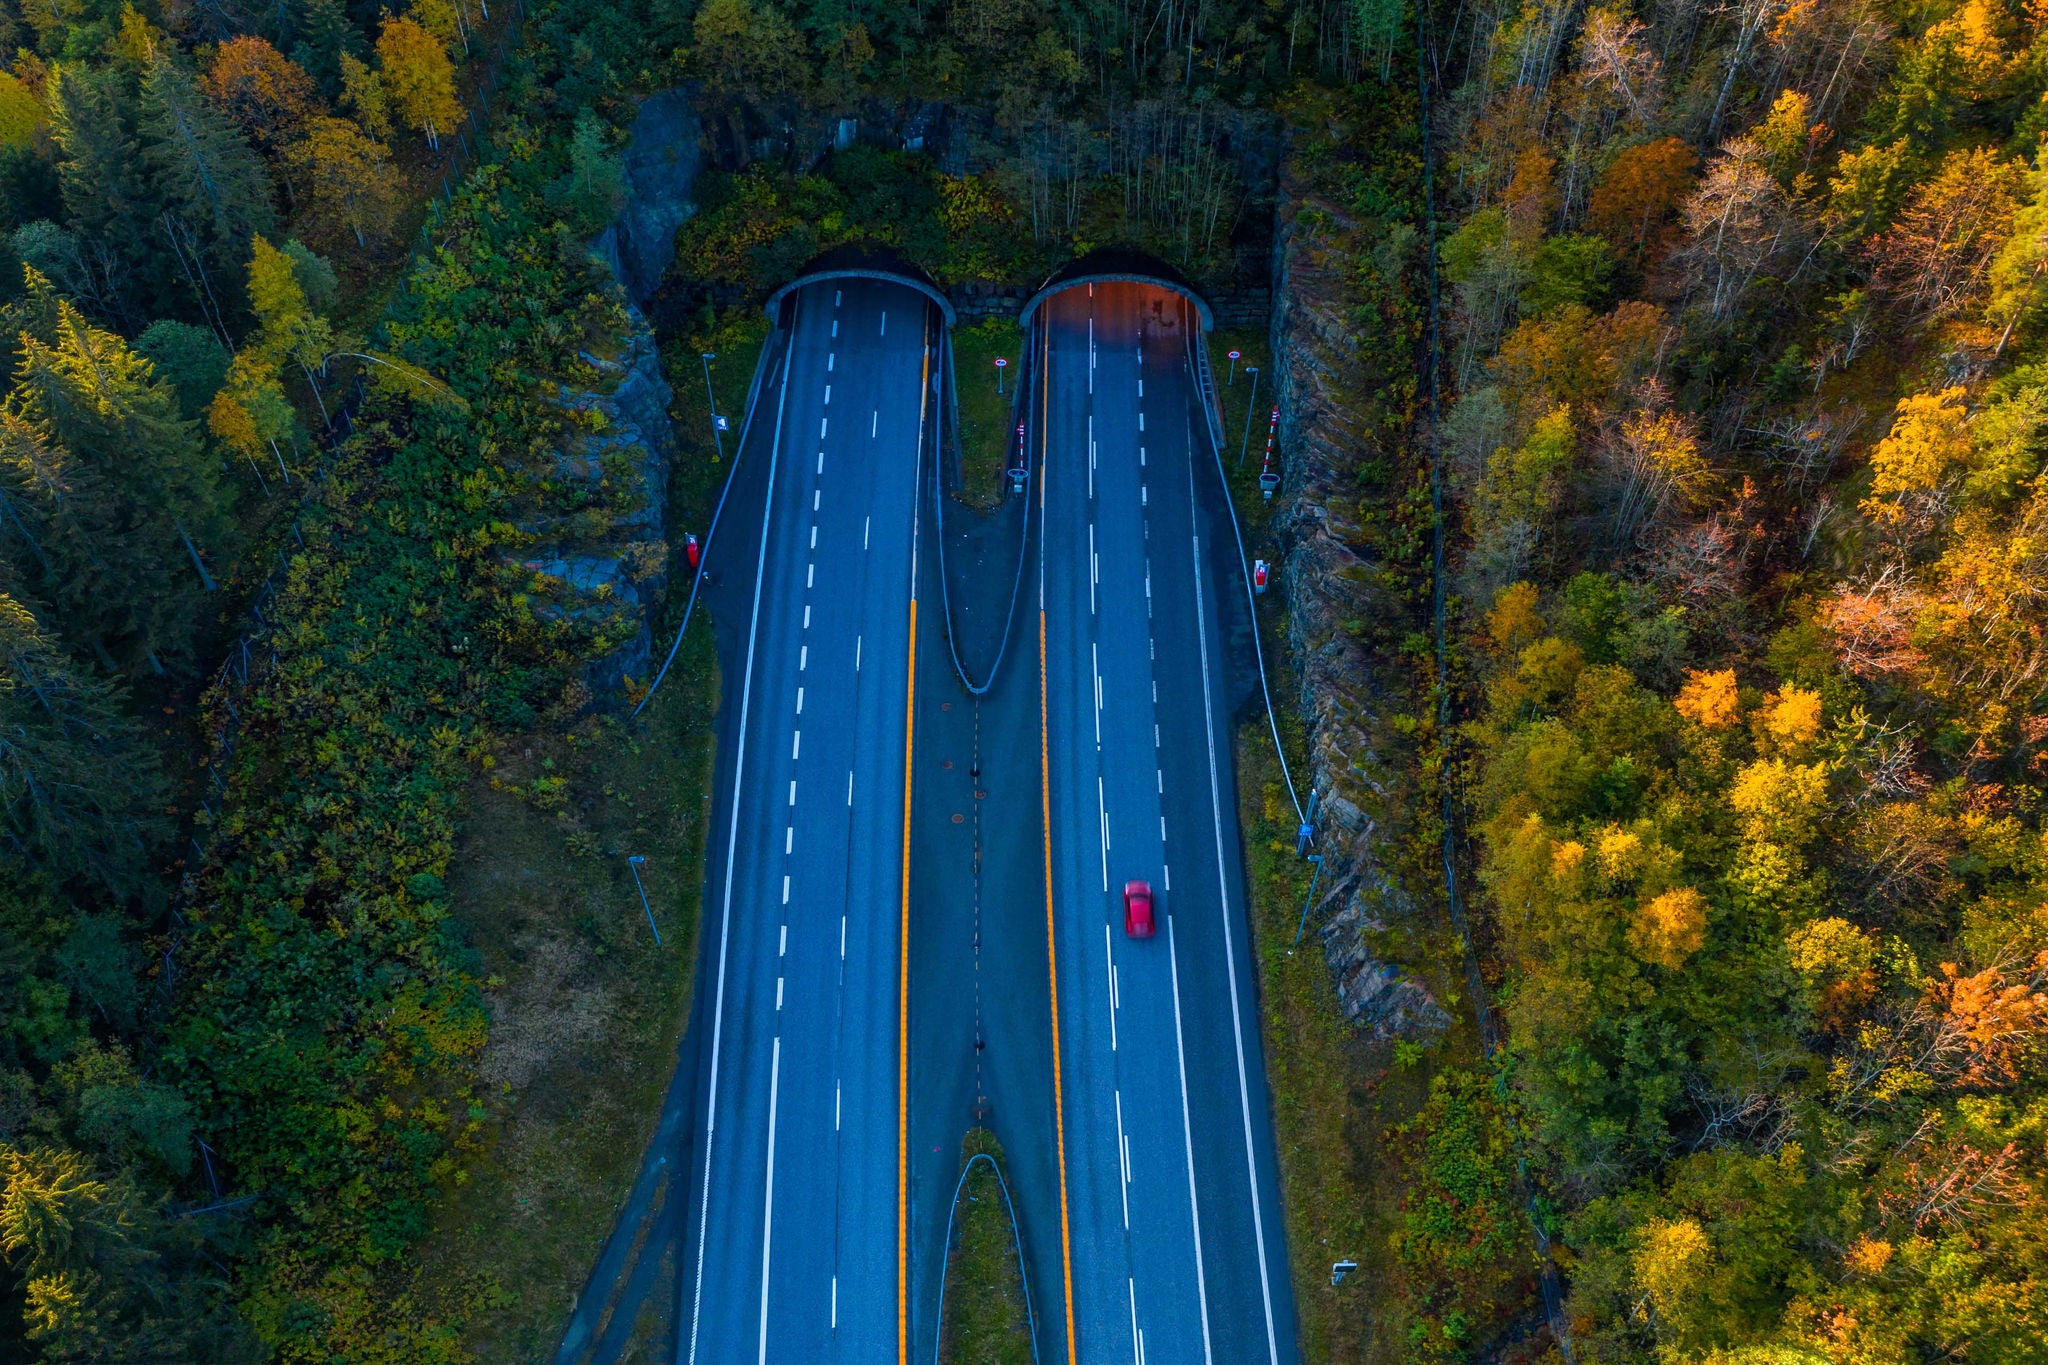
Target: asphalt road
point(790, 1247)
point(1171, 1192)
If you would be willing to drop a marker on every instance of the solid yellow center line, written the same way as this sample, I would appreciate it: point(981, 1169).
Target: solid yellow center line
point(903, 926)
point(1052, 959)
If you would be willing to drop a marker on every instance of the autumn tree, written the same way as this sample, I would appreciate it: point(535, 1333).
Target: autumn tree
point(418, 77)
point(1738, 226)
point(1640, 192)
point(265, 93)
point(362, 95)
point(345, 183)
point(1933, 260)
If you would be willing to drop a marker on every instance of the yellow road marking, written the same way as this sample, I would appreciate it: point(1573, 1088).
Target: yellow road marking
point(1052, 961)
point(903, 929)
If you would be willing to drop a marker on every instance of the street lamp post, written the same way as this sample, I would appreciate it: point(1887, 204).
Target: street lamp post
point(1249, 408)
point(712, 399)
point(634, 863)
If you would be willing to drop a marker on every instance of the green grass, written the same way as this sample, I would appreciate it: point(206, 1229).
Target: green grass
point(985, 1318)
point(986, 430)
point(585, 1010)
point(736, 338)
point(1237, 395)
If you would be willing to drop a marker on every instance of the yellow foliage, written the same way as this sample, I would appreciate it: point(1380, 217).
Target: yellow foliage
point(1779, 802)
point(1782, 134)
point(1514, 623)
point(1791, 716)
point(1929, 441)
point(1709, 699)
point(1550, 667)
point(1620, 851)
point(1566, 859)
point(21, 113)
point(1670, 1260)
point(1868, 1256)
point(1670, 928)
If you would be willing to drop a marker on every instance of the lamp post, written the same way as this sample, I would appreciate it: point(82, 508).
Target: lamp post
point(1002, 363)
point(634, 863)
point(1249, 408)
point(712, 399)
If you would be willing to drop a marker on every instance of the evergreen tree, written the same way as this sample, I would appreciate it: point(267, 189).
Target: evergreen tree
point(79, 787)
point(102, 176)
point(86, 392)
point(190, 359)
point(205, 175)
point(325, 37)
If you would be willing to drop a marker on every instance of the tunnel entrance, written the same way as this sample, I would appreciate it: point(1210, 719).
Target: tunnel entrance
point(1117, 263)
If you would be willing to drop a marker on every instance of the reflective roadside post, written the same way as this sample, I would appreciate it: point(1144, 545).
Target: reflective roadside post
point(717, 422)
point(1002, 363)
point(634, 863)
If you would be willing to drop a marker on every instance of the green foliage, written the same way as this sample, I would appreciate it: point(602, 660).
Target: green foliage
point(1462, 1239)
point(1570, 268)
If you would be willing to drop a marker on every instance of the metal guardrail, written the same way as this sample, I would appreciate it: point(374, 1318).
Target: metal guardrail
point(1205, 383)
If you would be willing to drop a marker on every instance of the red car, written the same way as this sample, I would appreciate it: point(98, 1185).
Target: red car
point(1138, 909)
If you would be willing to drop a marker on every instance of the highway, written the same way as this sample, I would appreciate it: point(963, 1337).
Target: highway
point(1175, 1251)
point(792, 1245)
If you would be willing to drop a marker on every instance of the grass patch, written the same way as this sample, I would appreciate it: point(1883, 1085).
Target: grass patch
point(585, 1009)
point(985, 425)
point(734, 338)
point(1238, 394)
point(986, 1323)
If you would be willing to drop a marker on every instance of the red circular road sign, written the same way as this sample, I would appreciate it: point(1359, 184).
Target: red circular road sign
point(1001, 362)
point(1235, 355)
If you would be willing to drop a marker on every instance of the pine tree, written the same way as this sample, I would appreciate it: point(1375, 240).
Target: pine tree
point(101, 172)
point(87, 392)
point(326, 36)
point(205, 174)
point(79, 788)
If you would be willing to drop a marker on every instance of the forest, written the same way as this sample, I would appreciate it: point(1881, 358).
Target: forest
point(1743, 427)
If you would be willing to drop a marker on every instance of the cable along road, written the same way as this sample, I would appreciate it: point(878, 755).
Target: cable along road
point(794, 1244)
point(1176, 1245)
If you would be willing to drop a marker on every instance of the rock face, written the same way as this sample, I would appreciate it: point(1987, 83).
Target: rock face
point(611, 556)
point(659, 167)
point(1324, 434)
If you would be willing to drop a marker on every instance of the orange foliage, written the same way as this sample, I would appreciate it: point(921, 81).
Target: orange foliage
point(265, 92)
point(1634, 203)
point(1572, 356)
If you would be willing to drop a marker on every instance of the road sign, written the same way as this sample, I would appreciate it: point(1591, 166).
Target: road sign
point(723, 424)
point(1339, 1269)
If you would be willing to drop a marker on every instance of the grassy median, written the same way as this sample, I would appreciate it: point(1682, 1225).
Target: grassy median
point(985, 1322)
point(985, 428)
